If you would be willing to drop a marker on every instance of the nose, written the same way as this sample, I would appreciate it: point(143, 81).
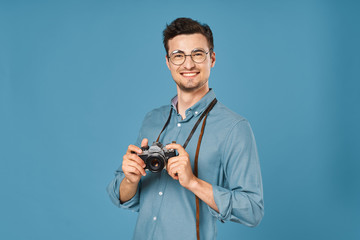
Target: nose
point(189, 63)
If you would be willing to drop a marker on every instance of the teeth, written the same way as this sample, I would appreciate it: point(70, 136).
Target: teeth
point(189, 74)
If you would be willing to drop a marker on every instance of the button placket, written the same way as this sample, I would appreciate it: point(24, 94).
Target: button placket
point(161, 189)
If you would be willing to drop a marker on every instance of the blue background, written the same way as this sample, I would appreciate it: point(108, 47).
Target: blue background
point(77, 77)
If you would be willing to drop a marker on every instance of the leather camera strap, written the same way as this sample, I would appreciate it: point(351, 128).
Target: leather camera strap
point(207, 110)
point(205, 114)
point(167, 122)
point(196, 174)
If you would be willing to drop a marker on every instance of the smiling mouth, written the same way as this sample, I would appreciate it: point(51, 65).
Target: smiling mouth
point(189, 74)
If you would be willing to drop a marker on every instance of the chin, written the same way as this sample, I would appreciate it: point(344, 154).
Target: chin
point(190, 87)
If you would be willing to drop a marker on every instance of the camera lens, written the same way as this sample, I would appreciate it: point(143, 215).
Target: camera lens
point(155, 164)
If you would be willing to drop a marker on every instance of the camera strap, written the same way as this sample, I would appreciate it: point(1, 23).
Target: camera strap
point(204, 114)
point(207, 110)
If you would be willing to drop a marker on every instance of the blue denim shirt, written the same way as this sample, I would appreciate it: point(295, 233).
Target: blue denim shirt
point(228, 160)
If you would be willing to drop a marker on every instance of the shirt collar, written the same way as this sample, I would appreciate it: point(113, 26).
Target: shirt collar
point(198, 107)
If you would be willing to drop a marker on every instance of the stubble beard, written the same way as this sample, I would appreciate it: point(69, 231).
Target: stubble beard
point(191, 88)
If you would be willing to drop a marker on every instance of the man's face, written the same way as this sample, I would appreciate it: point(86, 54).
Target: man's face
point(190, 76)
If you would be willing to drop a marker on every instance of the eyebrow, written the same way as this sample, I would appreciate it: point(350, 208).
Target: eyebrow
point(177, 51)
point(194, 50)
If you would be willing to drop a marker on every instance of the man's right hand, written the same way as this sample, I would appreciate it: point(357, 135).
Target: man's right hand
point(133, 166)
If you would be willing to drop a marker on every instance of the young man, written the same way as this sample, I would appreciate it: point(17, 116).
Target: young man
point(219, 180)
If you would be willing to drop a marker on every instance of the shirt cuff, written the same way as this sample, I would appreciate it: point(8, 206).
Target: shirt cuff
point(113, 190)
point(222, 197)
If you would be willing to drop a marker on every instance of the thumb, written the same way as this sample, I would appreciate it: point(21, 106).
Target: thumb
point(144, 142)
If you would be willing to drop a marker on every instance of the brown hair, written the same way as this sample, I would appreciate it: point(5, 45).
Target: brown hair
point(186, 26)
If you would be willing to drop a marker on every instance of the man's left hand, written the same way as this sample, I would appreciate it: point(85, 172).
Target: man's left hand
point(179, 167)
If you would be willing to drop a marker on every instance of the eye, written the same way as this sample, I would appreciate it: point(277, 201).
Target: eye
point(198, 53)
point(177, 55)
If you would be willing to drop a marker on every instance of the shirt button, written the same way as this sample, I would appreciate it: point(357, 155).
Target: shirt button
point(154, 218)
point(179, 124)
point(160, 193)
point(196, 112)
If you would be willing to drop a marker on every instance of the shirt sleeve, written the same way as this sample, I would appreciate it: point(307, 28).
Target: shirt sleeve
point(113, 188)
point(242, 199)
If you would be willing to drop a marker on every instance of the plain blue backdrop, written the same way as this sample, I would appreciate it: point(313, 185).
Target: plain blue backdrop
point(77, 77)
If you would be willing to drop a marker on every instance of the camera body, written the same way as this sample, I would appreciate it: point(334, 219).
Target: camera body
point(156, 156)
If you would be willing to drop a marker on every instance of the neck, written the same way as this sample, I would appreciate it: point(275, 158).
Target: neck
point(187, 99)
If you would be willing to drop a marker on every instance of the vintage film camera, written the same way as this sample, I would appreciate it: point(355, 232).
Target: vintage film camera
point(156, 156)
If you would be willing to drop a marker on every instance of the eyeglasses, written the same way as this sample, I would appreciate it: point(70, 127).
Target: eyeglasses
point(178, 57)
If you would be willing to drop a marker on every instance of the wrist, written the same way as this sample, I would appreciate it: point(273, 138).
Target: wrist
point(193, 184)
point(129, 182)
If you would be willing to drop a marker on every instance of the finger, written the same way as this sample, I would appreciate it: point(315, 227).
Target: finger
point(144, 142)
point(173, 159)
point(177, 147)
point(133, 148)
point(171, 168)
point(131, 170)
point(177, 162)
point(176, 172)
point(177, 168)
point(135, 158)
point(173, 173)
point(178, 159)
point(138, 167)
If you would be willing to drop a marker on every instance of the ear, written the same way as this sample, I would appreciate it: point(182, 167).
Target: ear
point(167, 62)
point(213, 59)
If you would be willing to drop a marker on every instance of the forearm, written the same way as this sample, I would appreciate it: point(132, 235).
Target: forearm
point(204, 191)
point(127, 190)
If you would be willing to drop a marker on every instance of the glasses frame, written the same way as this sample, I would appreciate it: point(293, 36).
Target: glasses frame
point(186, 55)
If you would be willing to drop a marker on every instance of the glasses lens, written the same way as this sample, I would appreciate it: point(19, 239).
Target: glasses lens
point(177, 58)
point(198, 56)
